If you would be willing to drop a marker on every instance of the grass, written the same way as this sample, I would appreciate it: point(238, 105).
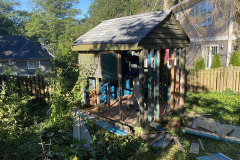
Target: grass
point(222, 106)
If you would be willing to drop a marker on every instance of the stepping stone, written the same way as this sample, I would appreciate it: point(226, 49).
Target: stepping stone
point(194, 148)
point(80, 132)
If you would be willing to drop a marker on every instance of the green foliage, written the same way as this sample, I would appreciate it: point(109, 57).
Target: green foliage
point(235, 59)
point(38, 71)
point(7, 70)
point(216, 62)
point(199, 63)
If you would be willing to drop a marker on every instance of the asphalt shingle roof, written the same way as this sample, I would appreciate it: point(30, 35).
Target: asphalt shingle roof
point(130, 29)
point(19, 48)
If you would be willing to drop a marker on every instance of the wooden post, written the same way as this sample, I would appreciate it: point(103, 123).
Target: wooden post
point(172, 79)
point(155, 83)
point(85, 95)
point(162, 72)
point(182, 81)
point(108, 100)
point(177, 80)
point(149, 84)
point(119, 77)
point(158, 86)
point(98, 95)
point(141, 86)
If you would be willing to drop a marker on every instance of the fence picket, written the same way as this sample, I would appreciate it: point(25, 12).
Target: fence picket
point(218, 79)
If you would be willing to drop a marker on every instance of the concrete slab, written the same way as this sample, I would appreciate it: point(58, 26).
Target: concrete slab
point(194, 148)
point(208, 124)
point(224, 129)
point(236, 132)
point(80, 132)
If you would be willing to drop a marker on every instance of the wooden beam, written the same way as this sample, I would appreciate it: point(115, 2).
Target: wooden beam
point(141, 86)
point(172, 79)
point(108, 99)
point(177, 80)
point(156, 85)
point(105, 47)
point(119, 77)
point(182, 81)
point(162, 72)
point(149, 84)
point(98, 95)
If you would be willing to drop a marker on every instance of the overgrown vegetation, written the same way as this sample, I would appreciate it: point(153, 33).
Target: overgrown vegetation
point(199, 63)
point(216, 62)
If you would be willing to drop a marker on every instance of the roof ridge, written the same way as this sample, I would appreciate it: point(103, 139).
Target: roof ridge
point(136, 15)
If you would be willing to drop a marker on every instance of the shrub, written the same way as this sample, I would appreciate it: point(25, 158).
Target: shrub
point(234, 59)
point(199, 63)
point(216, 62)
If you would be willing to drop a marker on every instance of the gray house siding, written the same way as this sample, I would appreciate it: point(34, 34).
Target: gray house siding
point(22, 67)
point(195, 50)
point(213, 34)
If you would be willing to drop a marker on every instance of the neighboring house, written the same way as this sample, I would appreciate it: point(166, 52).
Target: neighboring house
point(210, 27)
point(23, 55)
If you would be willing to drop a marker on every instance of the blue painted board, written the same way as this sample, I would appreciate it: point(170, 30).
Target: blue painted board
point(159, 142)
point(219, 156)
point(209, 136)
point(149, 85)
point(115, 130)
point(156, 82)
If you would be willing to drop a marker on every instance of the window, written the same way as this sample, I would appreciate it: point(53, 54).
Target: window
point(203, 12)
point(33, 64)
point(208, 51)
point(10, 62)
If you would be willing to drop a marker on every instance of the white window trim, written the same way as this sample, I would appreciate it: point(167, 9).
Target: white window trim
point(34, 65)
point(210, 59)
point(199, 4)
point(10, 62)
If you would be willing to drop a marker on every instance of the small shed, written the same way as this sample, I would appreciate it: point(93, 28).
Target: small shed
point(148, 34)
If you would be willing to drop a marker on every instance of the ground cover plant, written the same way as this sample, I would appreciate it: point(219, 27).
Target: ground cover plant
point(36, 133)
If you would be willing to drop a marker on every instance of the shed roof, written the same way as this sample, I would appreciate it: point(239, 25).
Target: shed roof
point(124, 33)
point(19, 48)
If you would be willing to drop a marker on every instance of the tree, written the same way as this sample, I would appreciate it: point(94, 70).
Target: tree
point(199, 63)
point(216, 62)
point(235, 59)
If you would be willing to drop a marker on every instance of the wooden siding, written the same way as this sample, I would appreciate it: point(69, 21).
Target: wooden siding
point(167, 34)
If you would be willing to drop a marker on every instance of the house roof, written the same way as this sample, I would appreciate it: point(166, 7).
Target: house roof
point(121, 33)
point(19, 48)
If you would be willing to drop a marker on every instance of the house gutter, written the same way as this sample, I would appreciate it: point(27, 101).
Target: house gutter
point(230, 30)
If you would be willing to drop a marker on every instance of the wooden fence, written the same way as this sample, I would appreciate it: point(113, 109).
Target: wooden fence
point(33, 85)
point(218, 79)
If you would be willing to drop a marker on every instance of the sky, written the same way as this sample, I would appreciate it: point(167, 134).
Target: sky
point(83, 6)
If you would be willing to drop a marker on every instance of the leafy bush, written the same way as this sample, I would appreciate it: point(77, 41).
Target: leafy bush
point(235, 59)
point(216, 62)
point(199, 63)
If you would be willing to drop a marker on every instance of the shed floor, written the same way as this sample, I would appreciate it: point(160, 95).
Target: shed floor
point(130, 115)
